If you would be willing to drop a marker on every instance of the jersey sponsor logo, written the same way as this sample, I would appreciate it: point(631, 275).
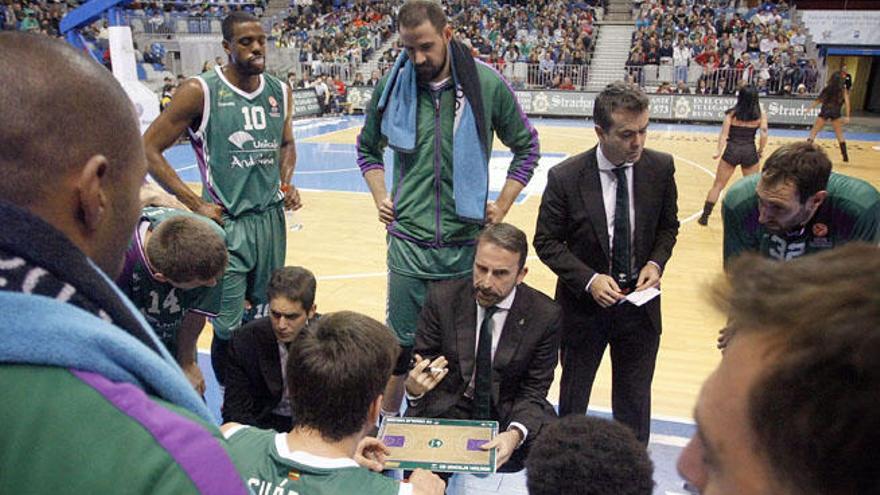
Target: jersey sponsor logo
point(273, 104)
point(240, 138)
point(820, 230)
point(252, 161)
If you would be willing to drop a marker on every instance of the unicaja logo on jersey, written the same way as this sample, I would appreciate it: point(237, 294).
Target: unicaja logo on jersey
point(240, 138)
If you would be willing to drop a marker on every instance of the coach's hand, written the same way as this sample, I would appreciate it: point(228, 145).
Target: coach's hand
point(426, 483)
point(371, 453)
point(210, 210)
point(421, 379)
point(605, 291)
point(648, 277)
point(506, 443)
point(386, 211)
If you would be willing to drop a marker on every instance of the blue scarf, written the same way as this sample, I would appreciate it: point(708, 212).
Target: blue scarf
point(58, 309)
point(470, 157)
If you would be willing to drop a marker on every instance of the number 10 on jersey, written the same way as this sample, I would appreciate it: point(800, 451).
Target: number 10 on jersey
point(254, 118)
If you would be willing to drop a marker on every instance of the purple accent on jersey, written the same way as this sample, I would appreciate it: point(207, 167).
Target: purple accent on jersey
point(394, 440)
point(363, 162)
point(476, 443)
point(192, 447)
point(524, 172)
point(198, 147)
point(140, 249)
point(202, 312)
point(131, 260)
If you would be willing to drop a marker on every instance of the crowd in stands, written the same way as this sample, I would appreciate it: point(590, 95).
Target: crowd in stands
point(761, 47)
point(330, 42)
point(157, 10)
point(540, 44)
point(556, 35)
point(35, 16)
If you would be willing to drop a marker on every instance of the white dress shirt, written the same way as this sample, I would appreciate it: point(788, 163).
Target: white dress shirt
point(608, 181)
point(283, 407)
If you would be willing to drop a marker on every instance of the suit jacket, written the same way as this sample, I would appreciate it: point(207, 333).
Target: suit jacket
point(524, 362)
point(254, 384)
point(571, 236)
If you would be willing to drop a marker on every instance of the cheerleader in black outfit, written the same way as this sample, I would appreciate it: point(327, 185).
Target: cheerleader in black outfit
point(736, 144)
point(831, 98)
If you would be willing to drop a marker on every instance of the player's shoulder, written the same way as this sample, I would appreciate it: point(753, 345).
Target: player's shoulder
point(853, 191)
point(487, 72)
point(360, 480)
point(274, 82)
point(742, 193)
point(240, 434)
point(159, 214)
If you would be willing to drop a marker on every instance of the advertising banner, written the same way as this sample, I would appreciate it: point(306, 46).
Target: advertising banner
point(696, 108)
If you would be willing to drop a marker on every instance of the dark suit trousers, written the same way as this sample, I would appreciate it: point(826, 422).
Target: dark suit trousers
point(634, 344)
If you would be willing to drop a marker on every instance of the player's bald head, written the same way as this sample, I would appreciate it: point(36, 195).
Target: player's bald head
point(58, 108)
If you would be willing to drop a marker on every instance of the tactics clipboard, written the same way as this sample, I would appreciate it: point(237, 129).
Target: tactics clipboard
point(442, 445)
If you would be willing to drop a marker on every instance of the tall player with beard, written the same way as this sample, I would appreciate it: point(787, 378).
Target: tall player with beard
point(438, 109)
point(238, 120)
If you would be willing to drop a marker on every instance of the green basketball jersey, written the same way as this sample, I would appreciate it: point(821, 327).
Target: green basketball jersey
point(269, 467)
point(163, 305)
point(850, 212)
point(238, 143)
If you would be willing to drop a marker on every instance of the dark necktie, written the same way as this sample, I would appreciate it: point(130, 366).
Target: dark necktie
point(483, 375)
point(620, 251)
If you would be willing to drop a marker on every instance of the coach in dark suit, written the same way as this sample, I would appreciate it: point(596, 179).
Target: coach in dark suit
point(498, 367)
point(606, 227)
point(256, 385)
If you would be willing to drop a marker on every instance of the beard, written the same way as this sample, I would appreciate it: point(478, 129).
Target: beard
point(487, 297)
point(427, 72)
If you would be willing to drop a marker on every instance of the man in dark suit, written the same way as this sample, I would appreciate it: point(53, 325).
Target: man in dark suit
point(256, 385)
point(606, 227)
point(496, 367)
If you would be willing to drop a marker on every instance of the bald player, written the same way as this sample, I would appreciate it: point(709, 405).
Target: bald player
point(91, 402)
point(238, 121)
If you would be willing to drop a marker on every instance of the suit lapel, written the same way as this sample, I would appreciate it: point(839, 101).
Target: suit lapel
point(466, 329)
point(511, 334)
point(591, 193)
point(642, 187)
point(270, 361)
